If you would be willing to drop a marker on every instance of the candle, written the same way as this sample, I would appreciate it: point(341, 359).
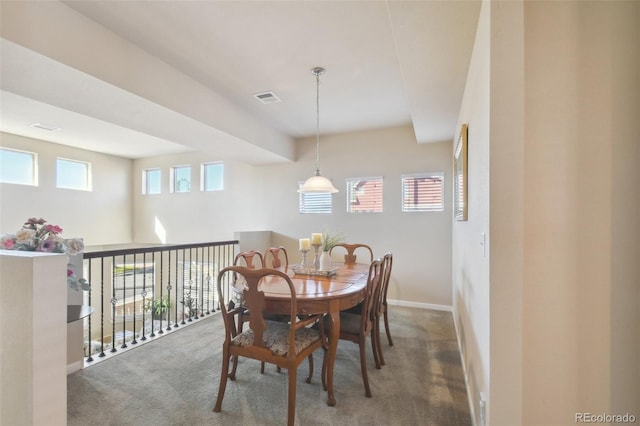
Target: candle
point(305, 243)
point(316, 239)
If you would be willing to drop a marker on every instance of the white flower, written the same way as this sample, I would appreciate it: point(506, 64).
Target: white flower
point(74, 245)
point(25, 236)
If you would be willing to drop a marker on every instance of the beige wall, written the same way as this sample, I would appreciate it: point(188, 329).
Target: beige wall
point(581, 106)
point(255, 199)
point(471, 290)
point(625, 196)
point(100, 216)
point(33, 389)
point(563, 333)
point(265, 198)
point(420, 242)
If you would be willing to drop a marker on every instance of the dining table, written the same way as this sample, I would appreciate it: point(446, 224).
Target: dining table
point(317, 293)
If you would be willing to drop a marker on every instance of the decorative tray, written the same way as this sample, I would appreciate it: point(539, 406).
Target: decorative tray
point(299, 270)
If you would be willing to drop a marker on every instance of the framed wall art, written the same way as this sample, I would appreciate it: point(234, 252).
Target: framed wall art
point(461, 177)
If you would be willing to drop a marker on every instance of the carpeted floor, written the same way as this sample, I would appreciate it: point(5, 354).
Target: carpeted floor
point(174, 380)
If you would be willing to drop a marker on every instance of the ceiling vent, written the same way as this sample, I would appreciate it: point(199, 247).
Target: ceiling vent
point(267, 97)
point(46, 127)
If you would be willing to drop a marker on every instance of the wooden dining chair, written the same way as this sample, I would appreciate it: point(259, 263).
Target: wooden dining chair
point(276, 257)
point(355, 327)
point(350, 257)
point(381, 306)
point(254, 259)
point(283, 344)
point(251, 259)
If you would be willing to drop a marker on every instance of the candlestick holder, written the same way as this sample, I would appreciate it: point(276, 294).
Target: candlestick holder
point(305, 263)
point(316, 257)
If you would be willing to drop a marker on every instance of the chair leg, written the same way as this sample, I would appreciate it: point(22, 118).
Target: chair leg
point(291, 407)
point(374, 348)
point(232, 375)
point(262, 367)
point(363, 368)
point(310, 368)
point(386, 326)
point(223, 381)
point(378, 339)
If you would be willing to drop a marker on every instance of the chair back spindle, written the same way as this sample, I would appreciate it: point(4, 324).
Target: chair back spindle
point(276, 258)
point(248, 258)
point(350, 257)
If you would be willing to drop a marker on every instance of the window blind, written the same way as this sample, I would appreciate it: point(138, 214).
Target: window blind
point(423, 192)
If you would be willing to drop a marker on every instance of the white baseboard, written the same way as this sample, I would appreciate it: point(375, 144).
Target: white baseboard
point(463, 361)
point(433, 306)
point(73, 367)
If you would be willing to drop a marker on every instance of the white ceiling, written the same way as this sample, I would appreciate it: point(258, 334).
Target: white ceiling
point(388, 63)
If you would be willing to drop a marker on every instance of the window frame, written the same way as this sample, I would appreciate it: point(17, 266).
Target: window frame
point(414, 207)
point(86, 186)
point(34, 167)
point(379, 198)
point(146, 180)
point(204, 174)
point(174, 182)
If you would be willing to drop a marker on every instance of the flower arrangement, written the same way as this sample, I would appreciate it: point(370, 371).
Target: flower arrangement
point(38, 235)
point(330, 240)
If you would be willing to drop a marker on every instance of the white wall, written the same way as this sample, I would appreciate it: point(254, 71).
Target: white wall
point(561, 332)
point(196, 216)
point(37, 26)
point(100, 216)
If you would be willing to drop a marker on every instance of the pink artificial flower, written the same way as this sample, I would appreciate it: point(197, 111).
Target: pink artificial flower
point(8, 244)
point(69, 273)
point(54, 229)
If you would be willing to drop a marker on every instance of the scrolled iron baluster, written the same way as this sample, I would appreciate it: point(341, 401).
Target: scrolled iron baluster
point(124, 298)
point(134, 341)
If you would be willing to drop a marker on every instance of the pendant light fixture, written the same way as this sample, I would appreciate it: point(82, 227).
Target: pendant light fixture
point(317, 183)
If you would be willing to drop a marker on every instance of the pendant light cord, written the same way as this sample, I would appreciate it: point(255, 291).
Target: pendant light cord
point(318, 71)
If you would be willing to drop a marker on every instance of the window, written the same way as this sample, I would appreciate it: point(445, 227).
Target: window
point(314, 202)
point(181, 179)
point(212, 176)
point(423, 192)
point(151, 181)
point(71, 174)
point(18, 167)
point(364, 195)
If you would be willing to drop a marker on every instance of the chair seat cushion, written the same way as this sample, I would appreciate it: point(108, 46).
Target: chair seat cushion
point(276, 338)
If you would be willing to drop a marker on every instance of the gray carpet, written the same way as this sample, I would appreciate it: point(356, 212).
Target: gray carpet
point(174, 380)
